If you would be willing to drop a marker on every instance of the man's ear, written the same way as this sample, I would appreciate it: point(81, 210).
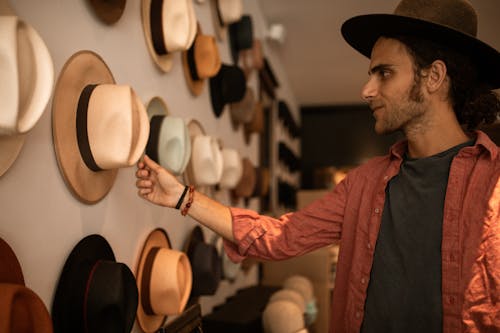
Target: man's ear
point(436, 76)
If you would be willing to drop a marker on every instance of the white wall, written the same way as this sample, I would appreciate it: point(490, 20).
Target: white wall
point(40, 218)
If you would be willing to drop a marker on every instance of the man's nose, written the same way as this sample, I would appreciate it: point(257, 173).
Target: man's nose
point(370, 89)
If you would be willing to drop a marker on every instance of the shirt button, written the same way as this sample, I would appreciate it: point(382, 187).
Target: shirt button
point(386, 178)
point(369, 246)
point(377, 210)
point(357, 314)
point(363, 280)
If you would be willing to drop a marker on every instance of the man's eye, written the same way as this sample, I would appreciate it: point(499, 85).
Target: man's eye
point(385, 74)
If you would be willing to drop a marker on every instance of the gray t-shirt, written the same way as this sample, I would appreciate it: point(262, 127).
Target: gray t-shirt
point(404, 293)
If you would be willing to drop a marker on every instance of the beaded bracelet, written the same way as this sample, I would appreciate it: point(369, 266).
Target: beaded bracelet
point(190, 201)
point(181, 199)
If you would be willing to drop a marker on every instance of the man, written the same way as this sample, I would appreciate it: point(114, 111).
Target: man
point(420, 227)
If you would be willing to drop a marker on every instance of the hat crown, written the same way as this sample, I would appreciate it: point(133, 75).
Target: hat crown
point(206, 56)
point(179, 24)
point(455, 14)
point(27, 75)
point(174, 144)
point(232, 168)
point(230, 10)
point(207, 160)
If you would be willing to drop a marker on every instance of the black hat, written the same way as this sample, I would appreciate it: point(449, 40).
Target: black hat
point(228, 86)
point(205, 263)
point(240, 36)
point(451, 22)
point(95, 293)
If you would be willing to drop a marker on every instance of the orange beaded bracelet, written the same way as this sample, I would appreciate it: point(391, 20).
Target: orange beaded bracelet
point(184, 210)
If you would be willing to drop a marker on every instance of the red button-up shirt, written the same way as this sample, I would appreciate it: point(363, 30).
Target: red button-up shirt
point(352, 214)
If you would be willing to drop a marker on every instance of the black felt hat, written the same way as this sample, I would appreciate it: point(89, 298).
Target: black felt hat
point(205, 263)
point(95, 293)
point(450, 22)
point(240, 36)
point(228, 86)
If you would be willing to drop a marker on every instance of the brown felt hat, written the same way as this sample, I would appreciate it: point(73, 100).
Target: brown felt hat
point(97, 126)
point(256, 125)
point(201, 61)
point(164, 281)
point(246, 185)
point(108, 11)
point(21, 310)
point(450, 22)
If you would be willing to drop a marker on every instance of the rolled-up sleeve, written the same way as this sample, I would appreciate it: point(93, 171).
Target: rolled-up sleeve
point(318, 224)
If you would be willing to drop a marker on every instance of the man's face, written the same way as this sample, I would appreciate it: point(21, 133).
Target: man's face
point(391, 91)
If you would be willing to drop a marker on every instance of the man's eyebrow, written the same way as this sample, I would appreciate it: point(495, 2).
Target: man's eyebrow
point(379, 68)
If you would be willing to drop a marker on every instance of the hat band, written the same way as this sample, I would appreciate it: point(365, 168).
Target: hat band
point(192, 64)
point(156, 15)
point(82, 134)
point(154, 136)
point(219, 16)
point(146, 279)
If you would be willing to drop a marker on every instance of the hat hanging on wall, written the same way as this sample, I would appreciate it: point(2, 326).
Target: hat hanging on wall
point(164, 281)
point(252, 59)
point(256, 125)
point(225, 12)
point(97, 126)
point(240, 36)
point(169, 143)
point(108, 11)
point(230, 269)
point(242, 112)
point(451, 22)
point(246, 185)
point(21, 308)
point(232, 168)
point(201, 61)
point(205, 263)
point(92, 283)
point(26, 81)
point(228, 86)
point(169, 26)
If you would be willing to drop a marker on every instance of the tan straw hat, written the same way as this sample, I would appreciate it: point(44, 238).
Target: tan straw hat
point(108, 11)
point(164, 281)
point(97, 125)
point(201, 61)
point(283, 316)
point(169, 26)
point(225, 12)
point(26, 81)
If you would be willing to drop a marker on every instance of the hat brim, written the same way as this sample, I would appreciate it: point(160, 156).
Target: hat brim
point(361, 38)
point(82, 69)
point(195, 86)
point(10, 146)
point(107, 11)
point(157, 238)
point(10, 270)
point(87, 252)
point(163, 61)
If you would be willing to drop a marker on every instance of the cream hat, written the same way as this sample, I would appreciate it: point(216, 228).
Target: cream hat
point(232, 168)
point(169, 26)
point(224, 13)
point(289, 295)
point(207, 160)
point(283, 316)
point(305, 287)
point(169, 143)
point(97, 125)
point(26, 81)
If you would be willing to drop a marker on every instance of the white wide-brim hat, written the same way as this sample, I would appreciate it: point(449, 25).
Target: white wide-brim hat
point(98, 126)
point(26, 81)
point(232, 168)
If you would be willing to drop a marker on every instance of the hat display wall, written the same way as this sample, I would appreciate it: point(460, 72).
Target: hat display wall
point(228, 86)
point(240, 36)
point(164, 281)
point(94, 293)
point(283, 316)
point(225, 12)
point(169, 26)
point(97, 126)
point(108, 11)
point(205, 166)
point(169, 143)
point(242, 112)
point(230, 269)
point(26, 81)
point(232, 168)
point(201, 61)
point(205, 263)
point(450, 22)
point(21, 309)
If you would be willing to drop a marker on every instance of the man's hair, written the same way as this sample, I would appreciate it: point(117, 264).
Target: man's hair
point(473, 101)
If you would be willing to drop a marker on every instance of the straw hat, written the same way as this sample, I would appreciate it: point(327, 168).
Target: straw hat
point(108, 11)
point(228, 86)
point(91, 283)
point(169, 26)
point(283, 316)
point(164, 281)
point(201, 61)
point(169, 143)
point(225, 12)
point(97, 125)
point(26, 80)
point(450, 22)
point(232, 168)
point(21, 309)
